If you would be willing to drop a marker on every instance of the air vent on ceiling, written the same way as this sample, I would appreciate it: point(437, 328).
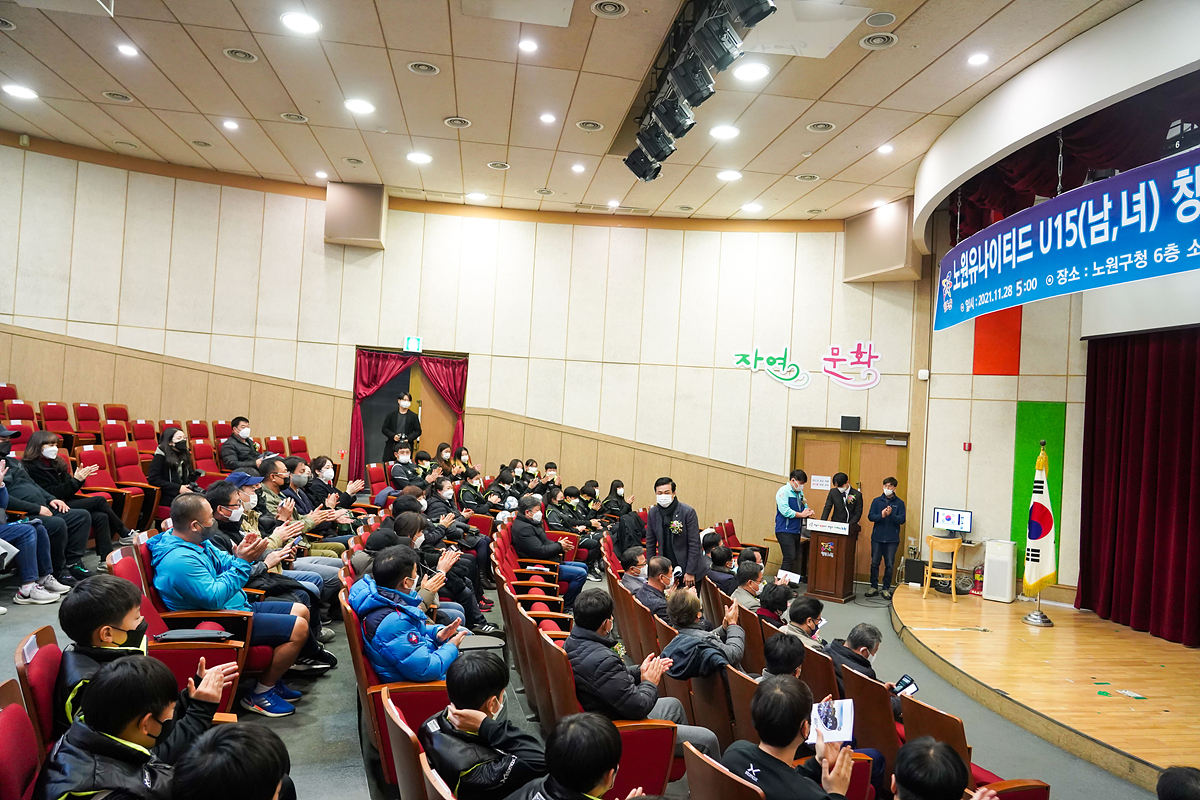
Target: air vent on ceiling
point(292, 116)
point(354, 162)
point(815, 211)
point(611, 209)
point(591, 126)
point(444, 195)
point(201, 143)
point(609, 9)
point(123, 143)
point(544, 192)
point(685, 208)
point(423, 68)
point(820, 127)
point(457, 122)
point(808, 177)
point(7, 25)
point(238, 54)
point(497, 165)
point(881, 19)
point(878, 41)
point(118, 96)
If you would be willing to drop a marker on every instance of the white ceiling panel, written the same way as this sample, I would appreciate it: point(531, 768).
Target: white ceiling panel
point(157, 135)
point(195, 127)
point(863, 200)
point(255, 146)
point(528, 170)
point(878, 126)
point(521, 203)
point(612, 181)
point(262, 16)
point(540, 90)
point(626, 47)
point(427, 99)
point(349, 21)
point(389, 155)
point(723, 108)
point(569, 185)
point(824, 196)
point(342, 143)
point(50, 120)
point(93, 119)
point(730, 198)
point(766, 118)
point(418, 25)
point(653, 194)
point(786, 151)
point(22, 68)
point(479, 37)
point(906, 145)
point(477, 176)
point(485, 96)
point(46, 42)
point(444, 173)
point(600, 98)
point(905, 176)
point(12, 121)
point(365, 73)
point(173, 51)
point(256, 84)
point(696, 189)
point(560, 48)
point(300, 147)
point(143, 9)
point(302, 66)
point(210, 13)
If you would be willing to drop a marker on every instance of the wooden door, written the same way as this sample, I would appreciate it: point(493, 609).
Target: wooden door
point(873, 460)
point(820, 453)
point(437, 419)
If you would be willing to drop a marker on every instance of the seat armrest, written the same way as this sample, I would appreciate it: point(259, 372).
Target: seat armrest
point(550, 587)
point(530, 599)
point(236, 622)
point(221, 718)
point(554, 564)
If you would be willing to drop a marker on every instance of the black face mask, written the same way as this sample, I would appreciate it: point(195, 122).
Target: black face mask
point(180, 447)
point(164, 731)
point(5, 447)
point(135, 637)
point(207, 533)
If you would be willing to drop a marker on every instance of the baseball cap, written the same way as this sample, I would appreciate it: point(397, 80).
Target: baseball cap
point(240, 479)
point(5, 433)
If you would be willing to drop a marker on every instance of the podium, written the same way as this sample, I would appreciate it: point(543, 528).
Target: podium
point(831, 551)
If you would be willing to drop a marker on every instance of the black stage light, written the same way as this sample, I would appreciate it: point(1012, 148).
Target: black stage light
point(751, 12)
point(718, 43)
point(692, 80)
point(655, 140)
point(642, 166)
point(674, 115)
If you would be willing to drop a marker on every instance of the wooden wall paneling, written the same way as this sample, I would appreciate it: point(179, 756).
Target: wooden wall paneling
point(342, 406)
point(6, 340)
point(184, 392)
point(88, 375)
point(726, 498)
point(38, 369)
point(505, 439)
point(648, 467)
point(139, 386)
point(541, 444)
point(312, 418)
point(758, 510)
point(692, 480)
point(578, 460)
point(615, 461)
point(270, 409)
point(228, 397)
point(475, 439)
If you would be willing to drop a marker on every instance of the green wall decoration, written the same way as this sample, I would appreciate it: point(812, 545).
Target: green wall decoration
point(1037, 421)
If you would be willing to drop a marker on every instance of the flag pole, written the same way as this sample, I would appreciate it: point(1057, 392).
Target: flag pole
point(1037, 618)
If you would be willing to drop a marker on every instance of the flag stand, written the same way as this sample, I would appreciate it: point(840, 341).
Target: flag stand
point(1037, 617)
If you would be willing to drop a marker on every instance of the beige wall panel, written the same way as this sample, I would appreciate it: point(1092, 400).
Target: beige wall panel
point(184, 392)
point(726, 497)
point(578, 460)
point(312, 418)
point(758, 510)
point(692, 479)
point(37, 368)
point(615, 461)
point(649, 466)
point(139, 386)
point(228, 397)
point(270, 410)
point(6, 357)
point(540, 444)
point(88, 376)
point(505, 440)
point(475, 436)
point(342, 407)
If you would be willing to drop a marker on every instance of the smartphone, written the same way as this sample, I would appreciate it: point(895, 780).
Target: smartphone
point(906, 685)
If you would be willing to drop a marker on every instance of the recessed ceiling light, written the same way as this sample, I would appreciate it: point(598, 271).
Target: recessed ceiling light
point(877, 204)
point(885, 148)
point(456, 122)
point(614, 203)
point(724, 132)
point(977, 59)
point(685, 208)
point(730, 175)
point(544, 192)
point(354, 162)
point(300, 23)
point(578, 168)
point(752, 72)
point(322, 175)
point(359, 106)
point(547, 118)
point(880, 19)
point(230, 124)
point(528, 45)
point(127, 49)
point(120, 97)
point(815, 211)
point(753, 208)
point(22, 92)
point(476, 196)
point(419, 158)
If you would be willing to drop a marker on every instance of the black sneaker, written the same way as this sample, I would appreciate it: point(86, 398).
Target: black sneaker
point(327, 657)
point(306, 664)
point(487, 583)
point(77, 571)
point(65, 578)
point(486, 629)
point(871, 592)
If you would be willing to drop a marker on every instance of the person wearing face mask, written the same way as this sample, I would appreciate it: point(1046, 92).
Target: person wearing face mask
point(445, 460)
point(440, 509)
point(520, 479)
point(321, 486)
point(544, 478)
point(529, 540)
point(296, 490)
point(672, 530)
point(483, 756)
point(844, 503)
point(403, 424)
point(171, 469)
point(857, 651)
point(750, 583)
point(405, 473)
point(887, 512)
point(629, 528)
point(461, 461)
point(103, 618)
point(128, 710)
point(32, 558)
point(276, 478)
point(658, 587)
point(474, 498)
point(805, 620)
point(633, 567)
point(239, 450)
point(790, 512)
point(722, 573)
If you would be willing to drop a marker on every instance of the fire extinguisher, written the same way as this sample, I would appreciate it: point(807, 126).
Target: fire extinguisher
point(978, 587)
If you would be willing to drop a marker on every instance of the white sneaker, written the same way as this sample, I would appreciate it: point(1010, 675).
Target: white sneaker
point(37, 596)
point(3, 611)
point(52, 584)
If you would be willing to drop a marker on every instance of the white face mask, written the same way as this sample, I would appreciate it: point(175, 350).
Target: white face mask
point(573, 501)
point(499, 710)
point(236, 516)
point(536, 516)
point(405, 403)
point(846, 489)
point(50, 452)
point(424, 504)
point(533, 471)
point(620, 491)
point(518, 472)
point(250, 504)
point(446, 456)
point(551, 474)
point(477, 484)
point(245, 433)
point(448, 494)
point(889, 492)
point(663, 500)
point(327, 474)
point(403, 459)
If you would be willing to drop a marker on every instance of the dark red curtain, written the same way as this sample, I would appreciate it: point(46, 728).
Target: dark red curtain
point(373, 369)
point(1139, 544)
point(1123, 136)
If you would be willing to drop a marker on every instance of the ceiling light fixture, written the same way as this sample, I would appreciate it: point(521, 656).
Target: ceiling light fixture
point(724, 132)
point(685, 208)
point(885, 149)
point(547, 118)
point(877, 204)
point(322, 175)
point(476, 196)
point(808, 177)
point(614, 203)
point(357, 106)
point(527, 45)
point(578, 168)
point(419, 158)
point(978, 59)
point(880, 19)
point(752, 72)
point(22, 92)
point(127, 49)
point(230, 124)
point(753, 208)
point(729, 175)
point(300, 23)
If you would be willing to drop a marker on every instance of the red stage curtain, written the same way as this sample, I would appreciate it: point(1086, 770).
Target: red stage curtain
point(1139, 544)
point(448, 376)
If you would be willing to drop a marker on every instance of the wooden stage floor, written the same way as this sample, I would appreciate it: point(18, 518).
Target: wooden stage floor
point(1062, 683)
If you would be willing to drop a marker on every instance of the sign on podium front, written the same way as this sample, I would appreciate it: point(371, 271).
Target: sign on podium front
point(825, 526)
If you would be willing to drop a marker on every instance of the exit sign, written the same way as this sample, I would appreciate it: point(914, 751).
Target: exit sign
point(412, 344)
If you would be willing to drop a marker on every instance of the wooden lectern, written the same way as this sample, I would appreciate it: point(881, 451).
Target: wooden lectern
point(831, 550)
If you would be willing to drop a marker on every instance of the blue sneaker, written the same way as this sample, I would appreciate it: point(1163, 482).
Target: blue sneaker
point(268, 704)
point(285, 692)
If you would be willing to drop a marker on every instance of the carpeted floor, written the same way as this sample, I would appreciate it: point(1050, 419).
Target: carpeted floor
point(327, 761)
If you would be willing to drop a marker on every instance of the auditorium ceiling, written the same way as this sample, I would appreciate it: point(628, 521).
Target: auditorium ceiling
point(177, 95)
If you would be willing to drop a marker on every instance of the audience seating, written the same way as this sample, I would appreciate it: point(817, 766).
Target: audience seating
point(87, 418)
point(669, 687)
point(922, 719)
point(741, 693)
point(37, 658)
point(204, 456)
point(1018, 789)
point(405, 750)
point(144, 435)
point(298, 446)
point(274, 444)
point(127, 464)
point(118, 412)
point(817, 671)
point(376, 479)
point(708, 780)
point(196, 429)
point(57, 419)
point(23, 755)
point(435, 787)
point(163, 424)
point(221, 429)
point(23, 430)
point(874, 723)
point(711, 706)
point(754, 659)
point(8, 391)
point(113, 431)
point(127, 501)
point(21, 412)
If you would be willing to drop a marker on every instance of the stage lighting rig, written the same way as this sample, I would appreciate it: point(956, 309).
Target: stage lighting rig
point(692, 80)
point(750, 12)
point(654, 139)
point(642, 166)
point(674, 115)
point(718, 43)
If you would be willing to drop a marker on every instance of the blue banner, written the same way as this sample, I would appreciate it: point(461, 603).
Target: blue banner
point(1140, 224)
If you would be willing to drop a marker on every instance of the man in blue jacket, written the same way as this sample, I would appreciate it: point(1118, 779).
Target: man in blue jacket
point(790, 511)
point(887, 512)
point(193, 574)
point(399, 640)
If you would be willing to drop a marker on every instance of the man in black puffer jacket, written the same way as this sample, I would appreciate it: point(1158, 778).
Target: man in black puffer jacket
point(530, 541)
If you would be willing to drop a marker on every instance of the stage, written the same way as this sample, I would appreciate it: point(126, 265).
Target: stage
point(1051, 681)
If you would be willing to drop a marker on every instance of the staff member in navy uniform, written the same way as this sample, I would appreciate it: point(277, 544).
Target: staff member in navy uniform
point(887, 512)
